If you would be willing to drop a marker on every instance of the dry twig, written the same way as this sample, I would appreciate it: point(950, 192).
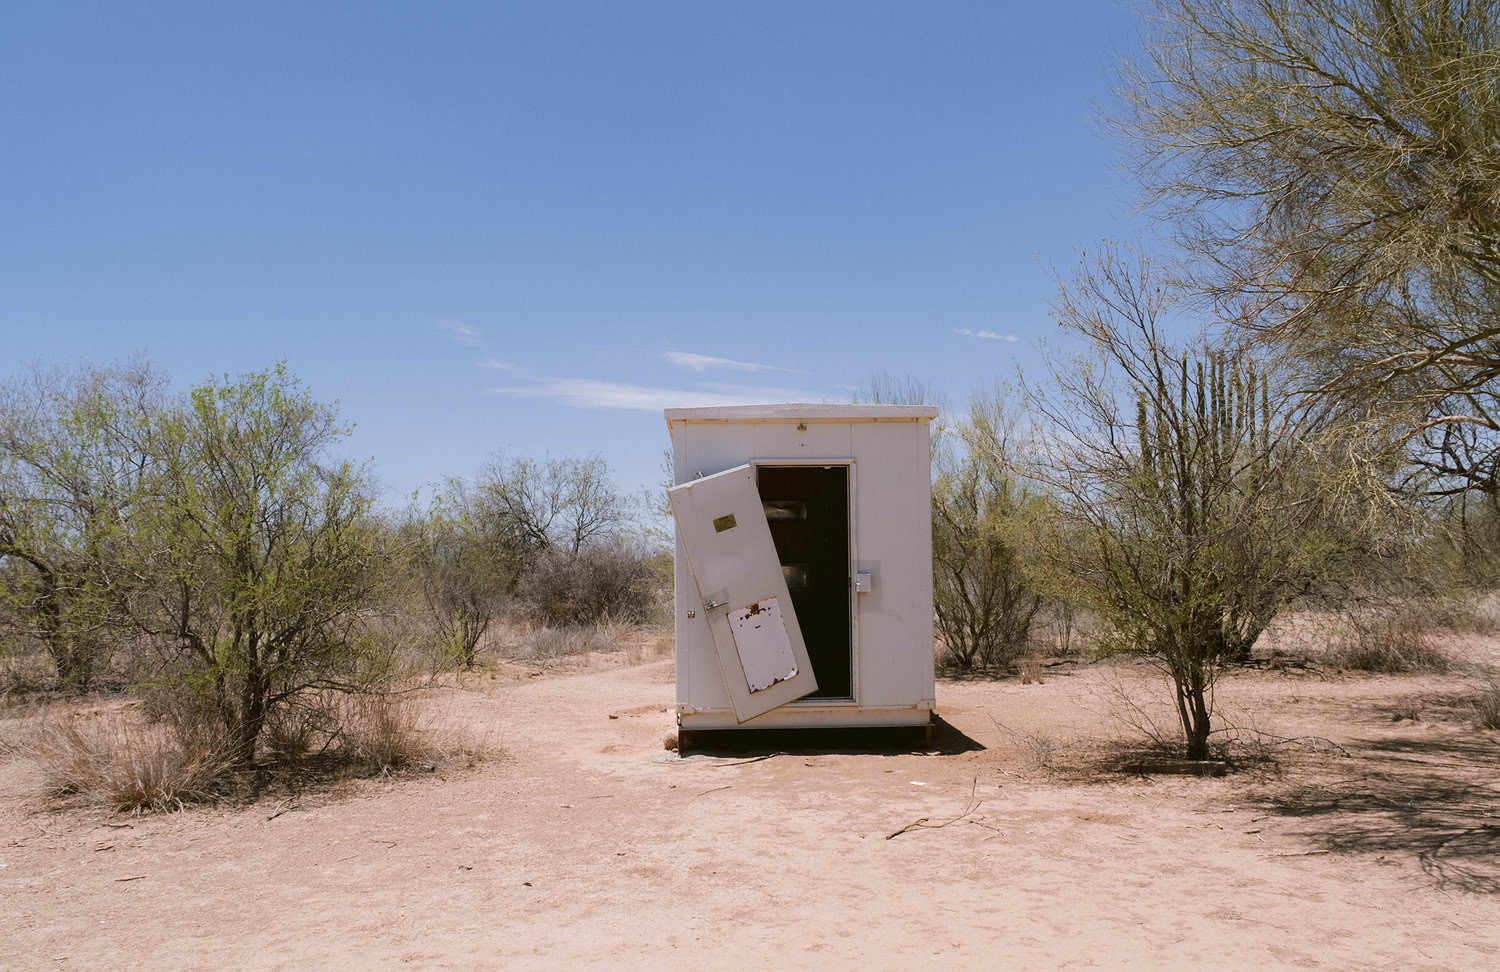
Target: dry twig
point(921, 823)
point(286, 806)
point(753, 759)
point(708, 791)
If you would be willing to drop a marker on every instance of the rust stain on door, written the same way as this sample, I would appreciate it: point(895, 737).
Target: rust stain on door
point(761, 640)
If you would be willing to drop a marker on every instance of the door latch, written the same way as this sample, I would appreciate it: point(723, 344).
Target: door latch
point(710, 604)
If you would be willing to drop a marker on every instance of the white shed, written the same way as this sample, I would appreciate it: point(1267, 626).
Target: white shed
point(804, 565)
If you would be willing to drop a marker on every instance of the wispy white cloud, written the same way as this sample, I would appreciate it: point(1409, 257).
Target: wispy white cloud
point(592, 393)
point(703, 362)
point(459, 331)
point(497, 365)
point(763, 394)
point(989, 335)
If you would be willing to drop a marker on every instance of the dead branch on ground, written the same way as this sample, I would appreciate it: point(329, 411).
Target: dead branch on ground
point(921, 823)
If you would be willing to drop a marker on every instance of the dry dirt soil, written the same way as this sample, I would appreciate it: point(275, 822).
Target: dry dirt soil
point(581, 842)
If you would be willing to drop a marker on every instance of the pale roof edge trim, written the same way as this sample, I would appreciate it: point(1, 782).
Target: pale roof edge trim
point(812, 411)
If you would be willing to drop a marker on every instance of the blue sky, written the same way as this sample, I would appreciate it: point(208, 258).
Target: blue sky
point(528, 227)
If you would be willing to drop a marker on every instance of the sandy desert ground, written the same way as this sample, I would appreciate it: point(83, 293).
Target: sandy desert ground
point(581, 842)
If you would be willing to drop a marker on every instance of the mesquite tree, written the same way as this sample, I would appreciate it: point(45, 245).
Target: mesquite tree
point(1333, 168)
point(1203, 461)
point(209, 534)
point(259, 553)
point(74, 469)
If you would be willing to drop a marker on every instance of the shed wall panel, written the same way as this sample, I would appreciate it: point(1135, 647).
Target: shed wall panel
point(893, 501)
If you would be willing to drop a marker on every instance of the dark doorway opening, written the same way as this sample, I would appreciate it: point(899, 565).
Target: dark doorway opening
point(807, 508)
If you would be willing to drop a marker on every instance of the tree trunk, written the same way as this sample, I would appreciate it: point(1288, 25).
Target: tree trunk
point(252, 715)
point(1198, 730)
point(1192, 710)
point(74, 665)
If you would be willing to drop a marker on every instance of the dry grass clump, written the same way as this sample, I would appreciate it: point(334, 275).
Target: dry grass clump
point(1387, 641)
point(1466, 615)
point(1487, 706)
point(112, 762)
point(640, 644)
point(626, 642)
point(379, 732)
point(172, 752)
point(163, 753)
point(385, 732)
point(568, 642)
point(24, 675)
point(291, 731)
point(1039, 749)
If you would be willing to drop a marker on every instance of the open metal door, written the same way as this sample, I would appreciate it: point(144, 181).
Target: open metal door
point(722, 527)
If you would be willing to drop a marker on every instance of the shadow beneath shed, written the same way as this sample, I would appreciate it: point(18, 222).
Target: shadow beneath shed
point(946, 740)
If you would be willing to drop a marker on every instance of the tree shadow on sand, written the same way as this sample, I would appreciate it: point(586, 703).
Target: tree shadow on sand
point(1434, 799)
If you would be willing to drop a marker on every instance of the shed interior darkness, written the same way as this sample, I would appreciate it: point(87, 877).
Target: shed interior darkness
point(807, 508)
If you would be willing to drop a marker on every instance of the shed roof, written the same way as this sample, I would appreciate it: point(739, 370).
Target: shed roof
point(799, 411)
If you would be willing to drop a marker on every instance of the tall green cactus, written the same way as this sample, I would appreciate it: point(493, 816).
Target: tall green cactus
point(1214, 419)
point(1202, 450)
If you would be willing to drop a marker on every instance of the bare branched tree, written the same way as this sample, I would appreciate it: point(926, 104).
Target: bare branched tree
point(888, 389)
point(465, 570)
point(554, 504)
point(1187, 513)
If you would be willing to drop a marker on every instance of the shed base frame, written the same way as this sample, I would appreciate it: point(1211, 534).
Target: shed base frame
point(797, 716)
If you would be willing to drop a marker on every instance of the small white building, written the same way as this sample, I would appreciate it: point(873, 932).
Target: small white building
point(804, 565)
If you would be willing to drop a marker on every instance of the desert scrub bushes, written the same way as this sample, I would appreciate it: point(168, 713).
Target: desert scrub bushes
point(1064, 627)
point(567, 641)
point(606, 582)
point(292, 731)
point(543, 542)
point(1477, 614)
point(162, 756)
point(985, 600)
point(566, 526)
point(1386, 640)
point(628, 642)
point(210, 534)
point(466, 564)
point(74, 471)
point(22, 676)
point(388, 732)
